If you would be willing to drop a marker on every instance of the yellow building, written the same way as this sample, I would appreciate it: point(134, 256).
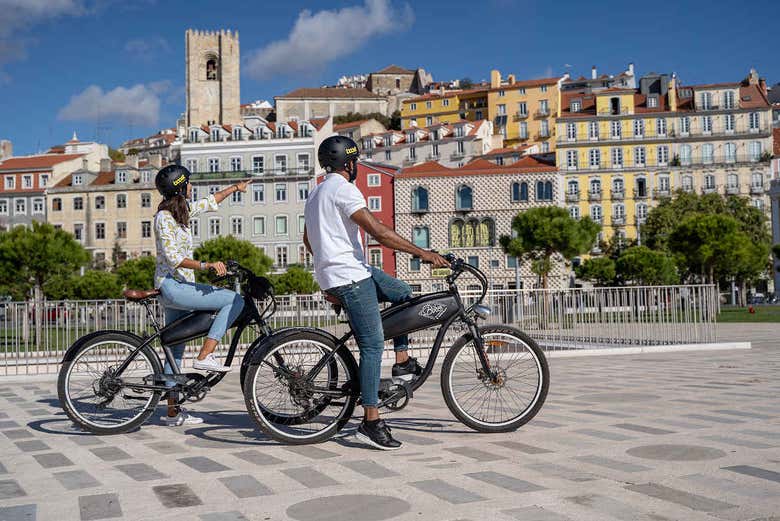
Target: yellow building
point(524, 111)
point(621, 150)
point(444, 107)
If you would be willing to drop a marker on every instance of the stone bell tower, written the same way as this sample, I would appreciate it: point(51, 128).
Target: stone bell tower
point(212, 77)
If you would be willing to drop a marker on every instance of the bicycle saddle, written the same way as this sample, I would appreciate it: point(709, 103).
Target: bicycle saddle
point(136, 295)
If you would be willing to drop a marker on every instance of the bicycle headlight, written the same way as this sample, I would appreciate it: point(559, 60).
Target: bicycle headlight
point(482, 311)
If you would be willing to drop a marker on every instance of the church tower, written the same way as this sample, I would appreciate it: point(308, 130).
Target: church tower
point(212, 77)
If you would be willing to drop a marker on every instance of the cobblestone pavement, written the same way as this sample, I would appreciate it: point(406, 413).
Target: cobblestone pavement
point(683, 436)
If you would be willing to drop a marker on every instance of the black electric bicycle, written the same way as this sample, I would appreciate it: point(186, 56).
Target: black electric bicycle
point(302, 384)
point(111, 381)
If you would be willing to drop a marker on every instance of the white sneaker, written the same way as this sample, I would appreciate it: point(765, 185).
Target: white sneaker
point(182, 418)
point(210, 363)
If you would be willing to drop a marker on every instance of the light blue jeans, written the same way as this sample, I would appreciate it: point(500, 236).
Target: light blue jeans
point(179, 298)
point(360, 301)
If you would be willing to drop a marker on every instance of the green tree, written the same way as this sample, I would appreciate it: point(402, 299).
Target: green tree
point(466, 83)
point(96, 285)
point(395, 121)
point(60, 287)
point(643, 266)
point(116, 155)
point(542, 234)
point(137, 273)
point(295, 280)
point(349, 117)
point(599, 270)
point(30, 257)
point(229, 248)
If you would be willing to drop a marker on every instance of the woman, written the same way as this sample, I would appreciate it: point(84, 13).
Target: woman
point(175, 278)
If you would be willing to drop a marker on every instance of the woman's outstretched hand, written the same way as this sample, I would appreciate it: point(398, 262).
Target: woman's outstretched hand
point(241, 186)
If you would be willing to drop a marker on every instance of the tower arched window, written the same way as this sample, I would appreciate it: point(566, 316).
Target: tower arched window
point(544, 191)
point(519, 192)
point(212, 71)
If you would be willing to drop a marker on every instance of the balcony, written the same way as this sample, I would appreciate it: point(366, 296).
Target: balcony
point(658, 193)
point(756, 189)
point(543, 113)
point(455, 156)
point(522, 135)
point(709, 190)
point(433, 157)
point(572, 197)
point(618, 195)
point(619, 221)
point(542, 134)
point(409, 161)
point(243, 174)
point(419, 210)
point(732, 189)
point(519, 116)
point(640, 194)
point(610, 112)
point(594, 195)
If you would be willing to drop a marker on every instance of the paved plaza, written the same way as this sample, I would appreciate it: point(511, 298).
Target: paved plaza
point(649, 437)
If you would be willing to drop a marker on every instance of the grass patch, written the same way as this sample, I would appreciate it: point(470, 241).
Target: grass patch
point(762, 314)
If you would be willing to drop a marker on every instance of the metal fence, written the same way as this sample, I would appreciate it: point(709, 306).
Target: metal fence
point(557, 319)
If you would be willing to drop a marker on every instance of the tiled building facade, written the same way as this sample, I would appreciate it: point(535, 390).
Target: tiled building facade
point(465, 211)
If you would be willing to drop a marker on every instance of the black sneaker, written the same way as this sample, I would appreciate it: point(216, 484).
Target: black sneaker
point(408, 370)
point(377, 434)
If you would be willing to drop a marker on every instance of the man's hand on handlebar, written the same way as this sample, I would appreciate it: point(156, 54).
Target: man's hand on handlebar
point(434, 259)
point(218, 268)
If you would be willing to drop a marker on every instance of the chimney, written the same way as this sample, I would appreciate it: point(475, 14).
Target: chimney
point(155, 160)
point(672, 93)
point(753, 77)
point(105, 164)
point(762, 86)
point(631, 68)
point(132, 160)
point(495, 79)
point(510, 79)
point(593, 73)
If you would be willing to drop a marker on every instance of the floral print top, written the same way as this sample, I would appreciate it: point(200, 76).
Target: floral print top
point(174, 243)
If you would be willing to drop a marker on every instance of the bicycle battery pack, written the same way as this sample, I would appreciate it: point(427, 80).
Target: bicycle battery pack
point(188, 327)
point(419, 313)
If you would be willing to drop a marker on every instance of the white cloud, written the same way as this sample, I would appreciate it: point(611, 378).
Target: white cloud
point(19, 15)
point(322, 37)
point(136, 105)
point(147, 49)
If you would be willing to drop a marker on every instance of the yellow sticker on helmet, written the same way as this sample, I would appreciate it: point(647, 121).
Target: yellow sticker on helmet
point(179, 180)
point(351, 150)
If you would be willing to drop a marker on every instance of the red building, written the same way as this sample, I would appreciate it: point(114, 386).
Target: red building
point(375, 181)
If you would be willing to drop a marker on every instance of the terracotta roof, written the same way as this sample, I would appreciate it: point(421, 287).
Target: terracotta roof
point(330, 92)
point(776, 140)
point(318, 122)
point(394, 69)
point(44, 161)
point(527, 83)
point(526, 164)
point(510, 150)
point(446, 94)
point(350, 124)
point(757, 98)
point(104, 178)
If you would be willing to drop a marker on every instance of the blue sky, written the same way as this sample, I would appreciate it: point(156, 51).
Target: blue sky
point(114, 69)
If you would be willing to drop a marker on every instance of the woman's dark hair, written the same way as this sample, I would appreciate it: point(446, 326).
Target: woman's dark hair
point(179, 209)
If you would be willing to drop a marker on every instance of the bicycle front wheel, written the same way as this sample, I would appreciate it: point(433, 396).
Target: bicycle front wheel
point(511, 399)
point(98, 399)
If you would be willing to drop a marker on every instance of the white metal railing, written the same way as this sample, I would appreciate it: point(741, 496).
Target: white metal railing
point(557, 319)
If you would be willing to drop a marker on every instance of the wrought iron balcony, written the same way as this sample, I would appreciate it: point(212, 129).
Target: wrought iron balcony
point(732, 189)
point(520, 116)
point(242, 174)
point(543, 113)
point(618, 221)
point(572, 197)
point(757, 189)
point(661, 192)
point(618, 194)
point(594, 195)
point(640, 194)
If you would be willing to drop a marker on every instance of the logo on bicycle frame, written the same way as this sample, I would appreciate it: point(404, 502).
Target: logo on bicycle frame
point(432, 311)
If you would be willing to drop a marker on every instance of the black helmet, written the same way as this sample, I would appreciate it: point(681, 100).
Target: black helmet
point(339, 153)
point(172, 180)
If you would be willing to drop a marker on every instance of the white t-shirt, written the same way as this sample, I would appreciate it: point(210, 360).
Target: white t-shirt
point(334, 237)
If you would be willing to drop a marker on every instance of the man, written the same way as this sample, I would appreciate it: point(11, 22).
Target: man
point(334, 215)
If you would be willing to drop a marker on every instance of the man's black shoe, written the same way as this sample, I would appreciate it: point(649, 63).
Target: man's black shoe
point(377, 434)
point(407, 370)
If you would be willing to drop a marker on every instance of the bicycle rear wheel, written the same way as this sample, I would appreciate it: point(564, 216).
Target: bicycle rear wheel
point(503, 404)
point(96, 398)
point(291, 409)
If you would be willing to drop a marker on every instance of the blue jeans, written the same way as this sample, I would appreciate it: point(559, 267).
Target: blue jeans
point(179, 298)
point(360, 301)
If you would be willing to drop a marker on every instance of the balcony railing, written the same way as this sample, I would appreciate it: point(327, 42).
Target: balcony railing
point(661, 192)
point(732, 189)
point(432, 157)
point(519, 116)
point(709, 190)
point(618, 221)
point(238, 174)
point(640, 194)
point(675, 163)
point(250, 137)
point(542, 135)
point(694, 134)
point(572, 197)
point(409, 161)
point(618, 194)
point(756, 189)
point(611, 112)
point(543, 113)
point(457, 155)
point(419, 209)
point(594, 195)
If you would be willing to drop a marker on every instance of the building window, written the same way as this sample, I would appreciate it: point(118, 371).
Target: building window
point(258, 164)
point(641, 210)
point(728, 99)
point(571, 159)
point(192, 165)
point(258, 193)
point(472, 233)
point(211, 69)
point(619, 211)
point(121, 230)
point(544, 191)
point(195, 227)
point(617, 157)
point(709, 182)
point(687, 183)
point(616, 129)
point(732, 181)
point(728, 122)
point(571, 131)
point(121, 200)
point(236, 198)
point(663, 155)
point(575, 106)
point(412, 153)
point(639, 128)
point(522, 108)
point(237, 134)
point(214, 226)
point(280, 163)
point(414, 264)
point(595, 213)
point(574, 212)
point(215, 134)
point(595, 186)
point(639, 156)
point(213, 164)
point(121, 177)
point(303, 191)
point(77, 179)
point(685, 125)
point(281, 192)
point(303, 162)
point(523, 130)
point(281, 256)
point(464, 199)
point(421, 237)
point(146, 229)
point(641, 187)
point(258, 225)
point(730, 152)
point(428, 104)
point(301, 223)
point(100, 231)
point(146, 200)
point(706, 124)
point(419, 199)
point(652, 102)
point(56, 205)
point(78, 203)
point(78, 231)
point(374, 179)
point(660, 126)
point(617, 186)
point(43, 180)
point(685, 154)
point(755, 150)
point(707, 153)
point(473, 260)
point(706, 100)
point(375, 257)
point(27, 181)
point(519, 192)
point(594, 157)
point(593, 130)
point(375, 203)
point(237, 226)
point(543, 88)
point(663, 183)
point(281, 225)
point(445, 102)
point(235, 164)
point(573, 187)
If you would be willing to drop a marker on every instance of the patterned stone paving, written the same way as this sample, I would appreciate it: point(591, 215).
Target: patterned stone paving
point(654, 437)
